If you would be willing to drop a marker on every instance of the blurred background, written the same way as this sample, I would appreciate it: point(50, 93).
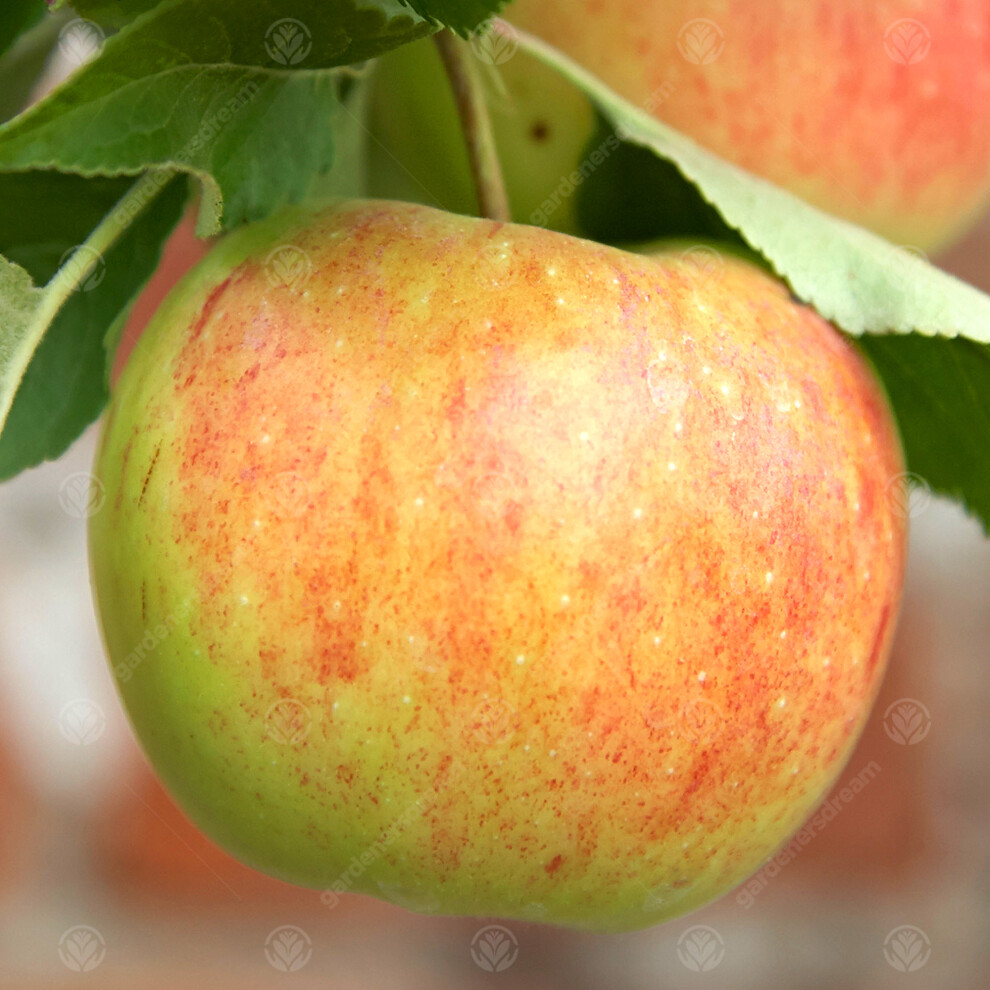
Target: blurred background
point(104, 884)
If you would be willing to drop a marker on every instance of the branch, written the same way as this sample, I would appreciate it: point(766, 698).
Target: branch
point(493, 201)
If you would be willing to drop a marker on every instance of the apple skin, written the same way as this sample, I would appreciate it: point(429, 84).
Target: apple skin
point(576, 568)
point(806, 95)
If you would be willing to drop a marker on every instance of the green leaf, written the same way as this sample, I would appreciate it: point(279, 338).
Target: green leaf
point(245, 105)
point(462, 16)
point(20, 300)
point(16, 17)
point(63, 387)
point(940, 392)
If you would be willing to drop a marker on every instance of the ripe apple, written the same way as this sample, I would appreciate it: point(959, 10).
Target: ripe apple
point(492, 571)
point(876, 110)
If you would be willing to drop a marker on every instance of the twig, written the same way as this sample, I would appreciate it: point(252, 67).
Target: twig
point(469, 95)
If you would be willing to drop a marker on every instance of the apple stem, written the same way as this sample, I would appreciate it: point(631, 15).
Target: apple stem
point(469, 94)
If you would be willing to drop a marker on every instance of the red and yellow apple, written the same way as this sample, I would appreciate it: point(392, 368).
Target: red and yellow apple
point(492, 571)
point(875, 110)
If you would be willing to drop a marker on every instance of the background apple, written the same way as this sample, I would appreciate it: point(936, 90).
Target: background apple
point(877, 111)
point(492, 571)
